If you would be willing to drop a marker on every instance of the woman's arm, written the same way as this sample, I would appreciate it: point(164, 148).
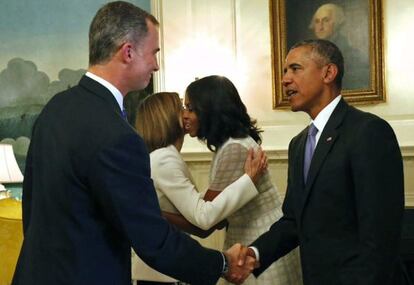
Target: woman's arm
point(172, 177)
point(254, 166)
point(180, 222)
point(210, 195)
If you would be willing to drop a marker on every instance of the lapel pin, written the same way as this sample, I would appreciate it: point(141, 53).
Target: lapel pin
point(329, 139)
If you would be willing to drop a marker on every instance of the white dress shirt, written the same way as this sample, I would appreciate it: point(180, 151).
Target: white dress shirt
point(323, 117)
point(117, 94)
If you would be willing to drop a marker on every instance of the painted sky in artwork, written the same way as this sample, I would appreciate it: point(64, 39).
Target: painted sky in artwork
point(53, 34)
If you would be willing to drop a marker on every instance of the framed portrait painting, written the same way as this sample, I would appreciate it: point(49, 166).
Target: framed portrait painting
point(355, 26)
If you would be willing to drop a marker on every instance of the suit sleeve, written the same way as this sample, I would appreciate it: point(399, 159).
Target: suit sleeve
point(170, 177)
point(27, 190)
point(122, 186)
point(377, 172)
point(282, 237)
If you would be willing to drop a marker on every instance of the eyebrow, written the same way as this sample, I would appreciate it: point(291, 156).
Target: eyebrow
point(292, 65)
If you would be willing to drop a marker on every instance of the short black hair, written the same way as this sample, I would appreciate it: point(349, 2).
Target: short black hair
point(329, 53)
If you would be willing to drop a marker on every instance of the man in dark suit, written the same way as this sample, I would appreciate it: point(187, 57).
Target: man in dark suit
point(345, 209)
point(87, 193)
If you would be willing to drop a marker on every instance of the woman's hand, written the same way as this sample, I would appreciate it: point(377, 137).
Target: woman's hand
point(256, 164)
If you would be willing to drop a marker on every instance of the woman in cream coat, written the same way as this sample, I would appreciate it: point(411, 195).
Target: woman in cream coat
point(159, 122)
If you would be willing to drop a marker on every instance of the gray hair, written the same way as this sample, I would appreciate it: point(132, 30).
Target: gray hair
point(326, 52)
point(114, 24)
point(338, 14)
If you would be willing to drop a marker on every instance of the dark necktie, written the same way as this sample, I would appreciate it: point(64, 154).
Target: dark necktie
point(309, 149)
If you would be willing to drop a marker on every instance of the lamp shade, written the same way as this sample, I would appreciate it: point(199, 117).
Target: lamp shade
point(9, 170)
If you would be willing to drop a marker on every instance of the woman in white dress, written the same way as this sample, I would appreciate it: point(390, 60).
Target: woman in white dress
point(216, 115)
point(159, 122)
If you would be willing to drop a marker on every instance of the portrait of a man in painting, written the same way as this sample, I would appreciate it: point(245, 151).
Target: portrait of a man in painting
point(344, 23)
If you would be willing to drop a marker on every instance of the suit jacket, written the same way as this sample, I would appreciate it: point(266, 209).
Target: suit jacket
point(88, 197)
point(347, 217)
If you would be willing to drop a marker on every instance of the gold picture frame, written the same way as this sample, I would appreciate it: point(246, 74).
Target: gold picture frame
point(359, 35)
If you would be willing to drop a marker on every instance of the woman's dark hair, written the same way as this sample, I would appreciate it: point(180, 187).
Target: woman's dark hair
point(220, 111)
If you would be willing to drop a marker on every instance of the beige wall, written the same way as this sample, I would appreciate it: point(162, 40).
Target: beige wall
point(232, 38)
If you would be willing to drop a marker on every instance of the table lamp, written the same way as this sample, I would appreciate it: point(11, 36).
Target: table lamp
point(9, 170)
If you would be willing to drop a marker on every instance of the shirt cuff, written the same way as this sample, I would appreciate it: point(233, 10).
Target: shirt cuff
point(256, 252)
point(225, 265)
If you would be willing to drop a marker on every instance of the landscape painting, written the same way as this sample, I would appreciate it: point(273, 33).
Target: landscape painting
point(43, 50)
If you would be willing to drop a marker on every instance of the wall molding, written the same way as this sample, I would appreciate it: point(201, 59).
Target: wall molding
point(276, 141)
point(409, 199)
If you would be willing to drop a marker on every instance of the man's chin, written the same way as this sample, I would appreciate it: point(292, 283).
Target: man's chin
point(294, 107)
point(323, 37)
point(144, 85)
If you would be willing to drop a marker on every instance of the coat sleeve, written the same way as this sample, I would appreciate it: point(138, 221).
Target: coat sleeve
point(171, 177)
point(123, 188)
point(27, 190)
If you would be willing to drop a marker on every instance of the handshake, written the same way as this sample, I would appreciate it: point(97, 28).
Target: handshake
point(241, 261)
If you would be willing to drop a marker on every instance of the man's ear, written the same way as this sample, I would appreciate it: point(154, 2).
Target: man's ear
point(126, 51)
point(330, 72)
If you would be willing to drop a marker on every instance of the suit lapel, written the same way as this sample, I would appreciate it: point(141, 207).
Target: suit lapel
point(301, 154)
point(326, 141)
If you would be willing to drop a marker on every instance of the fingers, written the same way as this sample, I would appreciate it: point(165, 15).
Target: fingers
point(250, 263)
point(250, 154)
point(265, 163)
point(241, 263)
point(242, 255)
point(263, 159)
point(256, 164)
point(249, 159)
point(233, 252)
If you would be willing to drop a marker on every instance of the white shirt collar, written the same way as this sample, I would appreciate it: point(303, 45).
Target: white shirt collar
point(117, 94)
point(324, 115)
